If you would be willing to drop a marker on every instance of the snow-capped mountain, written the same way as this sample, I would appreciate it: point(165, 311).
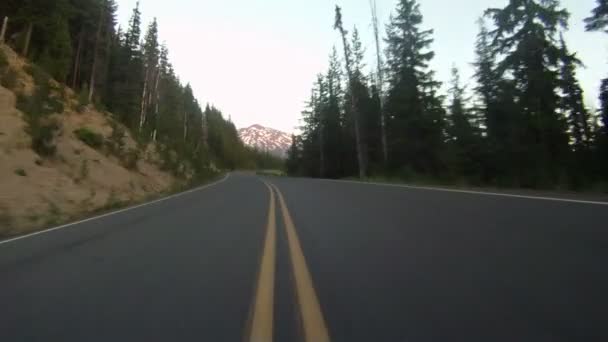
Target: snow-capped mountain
point(266, 139)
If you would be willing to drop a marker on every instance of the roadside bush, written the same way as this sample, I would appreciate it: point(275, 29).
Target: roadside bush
point(9, 78)
point(37, 108)
point(130, 158)
point(41, 77)
point(83, 99)
point(54, 215)
point(116, 143)
point(3, 60)
point(113, 202)
point(43, 137)
point(40, 104)
point(94, 140)
point(21, 172)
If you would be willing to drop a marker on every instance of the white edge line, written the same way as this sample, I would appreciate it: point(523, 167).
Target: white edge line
point(554, 199)
point(115, 212)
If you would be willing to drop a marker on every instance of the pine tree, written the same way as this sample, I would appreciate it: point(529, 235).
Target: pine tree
point(357, 124)
point(459, 128)
point(486, 76)
point(499, 116)
point(320, 112)
point(294, 157)
point(163, 77)
point(128, 73)
point(379, 89)
point(133, 34)
point(332, 123)
point(572, 103)
point(463, 137)
point(56, 55)
point(29, 15)
point(601, 143)
point(46, 37)
point(97, 46)
point(374, 132)
point(311, 147)
point(525, 36)
point(604, 107)
point(93, 30)
point(416, 123)
point(151, 54)
point(354, 105)
point(598, 21)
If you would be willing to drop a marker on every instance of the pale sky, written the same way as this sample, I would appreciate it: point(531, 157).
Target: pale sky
point(256, 60)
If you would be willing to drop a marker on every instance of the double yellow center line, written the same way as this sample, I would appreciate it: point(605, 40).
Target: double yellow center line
point(311, 316)
point(263, 305)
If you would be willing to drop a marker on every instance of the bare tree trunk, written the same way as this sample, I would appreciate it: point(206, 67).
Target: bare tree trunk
point(361, 150)
point(153, 88)
point(28, 38)
point(76, 72)
point(321, 131)
point(156, 101)
point(205, 129)
point(142, 114)
point(322, 150)
point(380, 82)
point(185, 126)
point(96, 52)
point(3, 31)
point(150, 88)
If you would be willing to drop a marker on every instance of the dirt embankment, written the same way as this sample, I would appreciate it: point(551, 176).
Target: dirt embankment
point(77, 179)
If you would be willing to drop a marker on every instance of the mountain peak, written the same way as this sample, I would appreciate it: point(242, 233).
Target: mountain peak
point(266, 139)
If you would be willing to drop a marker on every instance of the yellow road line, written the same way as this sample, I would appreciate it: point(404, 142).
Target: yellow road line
point(313, 323)
point(263, 307)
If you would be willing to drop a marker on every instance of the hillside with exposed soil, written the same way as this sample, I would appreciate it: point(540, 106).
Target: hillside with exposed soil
point(68, 163)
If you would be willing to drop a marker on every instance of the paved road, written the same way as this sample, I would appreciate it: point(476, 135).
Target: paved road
point(315, 260)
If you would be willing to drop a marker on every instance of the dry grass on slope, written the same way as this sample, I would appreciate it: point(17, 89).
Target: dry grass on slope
point(79, 177)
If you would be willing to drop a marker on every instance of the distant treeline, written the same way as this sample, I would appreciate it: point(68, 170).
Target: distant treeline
point(525, 125)
point(129, 74)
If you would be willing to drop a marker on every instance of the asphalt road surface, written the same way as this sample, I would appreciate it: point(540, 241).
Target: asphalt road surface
point(279, 259)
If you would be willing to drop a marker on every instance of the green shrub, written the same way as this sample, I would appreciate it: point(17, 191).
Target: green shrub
point(29, 105)
point(54, 214)
point(21, 172)
point(36, 108)
point(41, 77)
point(116, 142)
point(83, 99)
point(54, 105)
point(113, 202)
point(3, 60)
point(9, 78)
point(130, 158)
point(94, 140)
point(40, 104)
point(43, 137)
